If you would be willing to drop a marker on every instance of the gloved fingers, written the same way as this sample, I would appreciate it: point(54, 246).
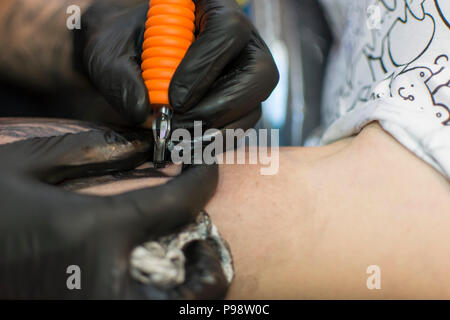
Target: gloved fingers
point(134, 103)
point(246, 122)
point(160, 210)
point(205, 278)
point(112, 61)
point(237, 93)
point(122, 86)
point(224, 31)
point(130, 218)
point(87, 153)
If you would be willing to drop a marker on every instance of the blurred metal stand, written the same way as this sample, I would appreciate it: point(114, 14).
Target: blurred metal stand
point(299, 38)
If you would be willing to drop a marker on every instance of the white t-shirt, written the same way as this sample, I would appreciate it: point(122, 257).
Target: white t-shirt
point(391, 63)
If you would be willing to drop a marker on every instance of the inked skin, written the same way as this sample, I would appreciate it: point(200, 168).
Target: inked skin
point(38, 48)
point(17, 129)
point(312, 230)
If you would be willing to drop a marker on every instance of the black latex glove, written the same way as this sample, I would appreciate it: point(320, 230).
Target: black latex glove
point(224, 77)
point(44, 229)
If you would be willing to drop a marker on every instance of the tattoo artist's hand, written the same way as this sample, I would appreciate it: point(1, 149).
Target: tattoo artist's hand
point(44, 229)
point(224, 77)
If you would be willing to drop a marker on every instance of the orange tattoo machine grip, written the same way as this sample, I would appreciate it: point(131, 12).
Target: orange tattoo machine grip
point(169, 32)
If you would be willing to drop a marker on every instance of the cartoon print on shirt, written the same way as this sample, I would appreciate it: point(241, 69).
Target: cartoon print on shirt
point(381, 58)
point(387, 64)
point(385, 53)
point(394, 69)
point(423, 89)
point(411, 88)
point(443, 7)
point(439, 88)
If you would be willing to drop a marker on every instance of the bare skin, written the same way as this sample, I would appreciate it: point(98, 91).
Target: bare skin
point(312, 230)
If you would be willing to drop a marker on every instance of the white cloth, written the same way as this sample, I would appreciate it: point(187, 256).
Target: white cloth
point(391, 63)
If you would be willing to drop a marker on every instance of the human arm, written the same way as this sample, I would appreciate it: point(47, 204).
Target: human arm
point(45, 229)
point(312, 230)
point(332, 212)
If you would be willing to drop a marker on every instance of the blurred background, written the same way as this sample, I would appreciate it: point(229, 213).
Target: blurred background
point(299, 38)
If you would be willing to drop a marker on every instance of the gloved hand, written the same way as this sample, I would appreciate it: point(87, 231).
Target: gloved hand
point(224, 77)
point(44, 229)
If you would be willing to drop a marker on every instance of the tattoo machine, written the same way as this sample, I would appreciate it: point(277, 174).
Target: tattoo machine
point(169, 32)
